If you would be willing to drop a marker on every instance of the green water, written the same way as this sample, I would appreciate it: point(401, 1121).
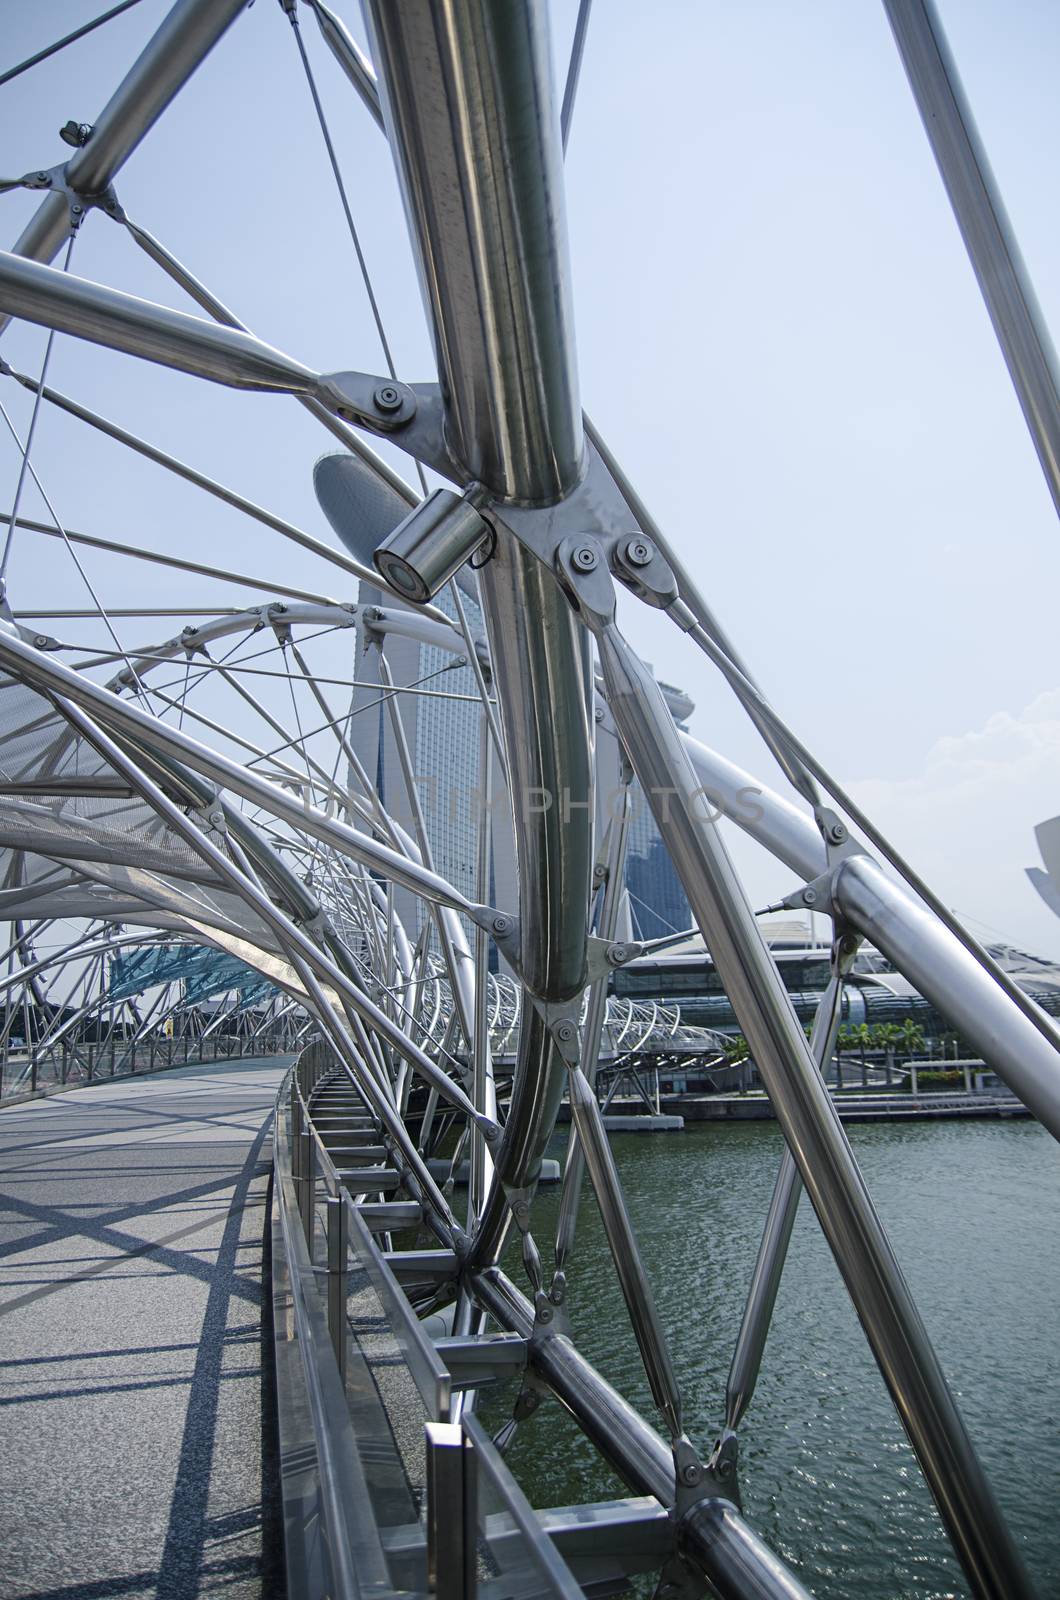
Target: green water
point(828, 1477)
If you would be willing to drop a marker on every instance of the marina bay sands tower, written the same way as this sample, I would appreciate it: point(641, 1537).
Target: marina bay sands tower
point(436, 715)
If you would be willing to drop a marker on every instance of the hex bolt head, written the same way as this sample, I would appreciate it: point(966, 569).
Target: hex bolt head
point(639, 552)
point(387, 397)
point(584, 558)
point(690, 1473)
point(837, 833)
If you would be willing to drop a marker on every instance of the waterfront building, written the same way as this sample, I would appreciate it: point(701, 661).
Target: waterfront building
point(873, 993)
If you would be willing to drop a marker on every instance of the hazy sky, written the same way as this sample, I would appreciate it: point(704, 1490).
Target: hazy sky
point(779, 334)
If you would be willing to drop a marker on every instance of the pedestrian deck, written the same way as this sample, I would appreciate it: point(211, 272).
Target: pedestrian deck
point(137, 1450)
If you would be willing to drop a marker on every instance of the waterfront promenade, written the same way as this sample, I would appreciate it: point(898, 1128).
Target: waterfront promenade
point(136, 1431)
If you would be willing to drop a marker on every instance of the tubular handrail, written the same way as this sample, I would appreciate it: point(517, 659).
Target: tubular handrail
point(721, 1546)
point(354, 1564)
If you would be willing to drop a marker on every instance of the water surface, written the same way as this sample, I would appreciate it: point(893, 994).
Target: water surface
point(828, 1477)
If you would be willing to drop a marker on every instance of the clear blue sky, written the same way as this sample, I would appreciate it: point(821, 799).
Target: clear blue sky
point(759, 234)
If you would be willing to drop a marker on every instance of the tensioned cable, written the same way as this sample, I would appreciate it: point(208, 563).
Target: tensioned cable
point(24, 466)
point(747, 691)
point(146, 654)
point(180, 469)
point(346, 716)
point(201, 569)
point(60, 44)
point(202, 674)
point(103, 614)
point(340, 683)
point(340, 185)
point(574, 67)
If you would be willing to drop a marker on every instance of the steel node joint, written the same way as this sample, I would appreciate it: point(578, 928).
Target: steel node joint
point(381, 404)
point(820, 893)
point(56, 180)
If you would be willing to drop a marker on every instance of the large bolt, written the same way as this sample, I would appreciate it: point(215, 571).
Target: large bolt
point(639, 553)
point(690, 1473)
point(565, 1032)
point(502, 924)
point(584, 558)
point(387, 397)
point(809, 897)
point(45, 178)
point(837, 833)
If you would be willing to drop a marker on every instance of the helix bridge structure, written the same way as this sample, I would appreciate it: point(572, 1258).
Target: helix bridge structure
point(193, 846)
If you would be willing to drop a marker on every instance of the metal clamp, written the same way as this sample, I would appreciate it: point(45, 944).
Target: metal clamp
point(382, 404)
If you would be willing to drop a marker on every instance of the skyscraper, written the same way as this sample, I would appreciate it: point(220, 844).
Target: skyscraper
point(441, 723)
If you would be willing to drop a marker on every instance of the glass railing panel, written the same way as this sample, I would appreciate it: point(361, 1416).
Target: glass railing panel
point(514, 1556)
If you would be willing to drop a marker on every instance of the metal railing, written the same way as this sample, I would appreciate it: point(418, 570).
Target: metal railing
point(73, 1064)
point(466, 1529)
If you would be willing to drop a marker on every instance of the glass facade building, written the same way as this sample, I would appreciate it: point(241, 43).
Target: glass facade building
point(448, 756)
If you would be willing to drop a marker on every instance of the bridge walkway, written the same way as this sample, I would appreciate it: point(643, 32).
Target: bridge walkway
point(137, 1436)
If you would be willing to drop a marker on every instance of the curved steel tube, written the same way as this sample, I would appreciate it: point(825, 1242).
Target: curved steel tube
point(540, 668)
point(473, 121)
point(187, 35)
point(903, 929)
point(988, 237)
point(811, 1126)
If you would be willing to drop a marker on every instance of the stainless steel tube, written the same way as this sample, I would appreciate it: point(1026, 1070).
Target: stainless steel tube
point(625, 1252)
point(188, 34)
point(987, 232)
point(812, 1128)
point(721, 1547)
point(592, 1031)
point(123, 322)
point(738, 1563)
point(347, 53)
point(776, 1236)
point(954, 982)
point(129, 721)
point(472, 117)
point(541, 670)
point(903, 929)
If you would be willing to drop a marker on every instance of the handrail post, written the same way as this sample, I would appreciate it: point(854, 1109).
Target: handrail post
point(337, 1244)
point(451, 1514)
point(307, 1196)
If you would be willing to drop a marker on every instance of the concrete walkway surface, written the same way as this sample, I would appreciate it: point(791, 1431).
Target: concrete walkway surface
point(137, 1449)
